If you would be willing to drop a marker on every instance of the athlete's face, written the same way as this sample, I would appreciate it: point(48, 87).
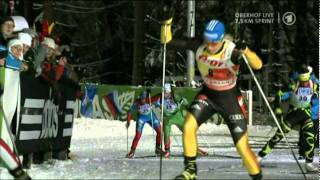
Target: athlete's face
point(304, 83)
point(143, 97)
point(143, 100)
point(167, 95)
point(213, 47)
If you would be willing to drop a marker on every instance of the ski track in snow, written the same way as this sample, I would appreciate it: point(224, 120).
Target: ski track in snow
point(99, 147)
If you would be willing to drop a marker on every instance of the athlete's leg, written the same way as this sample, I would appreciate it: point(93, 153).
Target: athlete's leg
point(167, 130)
point(309, 139)
point(139, 128)
point(11, 162)
point(308, 135)
point(200, 110)
point(316, 131)
point(286, 127)
point(176, 119)
point(231, 111)
point(301, 143)
point(154, 122)
point(292, 118)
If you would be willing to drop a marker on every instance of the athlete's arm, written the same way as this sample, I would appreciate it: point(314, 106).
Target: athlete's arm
point(166, 17)
point(285, 95)
point(130, 112)
point(253, 59)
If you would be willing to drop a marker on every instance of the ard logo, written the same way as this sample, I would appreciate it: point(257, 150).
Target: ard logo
point(49, 120)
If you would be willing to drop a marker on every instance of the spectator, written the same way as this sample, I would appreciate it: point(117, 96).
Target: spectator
point(26, 40)
point(10, 81)
point(7, 26)
point(52, 68)
point(28, 51)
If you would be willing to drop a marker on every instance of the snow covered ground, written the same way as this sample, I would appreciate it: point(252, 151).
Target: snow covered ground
point(99, 148)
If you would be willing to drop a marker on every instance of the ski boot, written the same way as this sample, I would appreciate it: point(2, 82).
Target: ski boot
point(261, 156)
point(190, 172)
point(301, 152)
point(159, 151)
point(130, 155)
point(310, 167)
point(301, 159)
point(27, 160)
point(19, 174)
point(202, 152)
point(259, 159)
point(256, 176)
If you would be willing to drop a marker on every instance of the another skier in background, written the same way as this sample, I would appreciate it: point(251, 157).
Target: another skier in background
point(145, 115)
point(294, 77)
point(300, 96)
point(173, 116)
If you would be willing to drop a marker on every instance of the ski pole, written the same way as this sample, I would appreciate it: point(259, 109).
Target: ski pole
point(162, 94)
point(127, 140)
point(272, 114)
point(150, 104)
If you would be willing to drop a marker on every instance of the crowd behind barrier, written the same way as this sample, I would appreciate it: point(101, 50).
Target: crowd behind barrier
point(45, 124)
point(38, 90)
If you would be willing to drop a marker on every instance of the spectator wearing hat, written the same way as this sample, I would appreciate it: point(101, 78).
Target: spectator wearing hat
point(10, 79)
point(28, 51)
point(28, 54)
point(3, 54)
point(7, 26)
point(10, 99)
point(52, 71)
point(53, 65)
point(26, 40)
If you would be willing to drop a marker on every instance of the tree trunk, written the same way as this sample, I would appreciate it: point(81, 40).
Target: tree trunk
point(138, 48)
point(27, 11)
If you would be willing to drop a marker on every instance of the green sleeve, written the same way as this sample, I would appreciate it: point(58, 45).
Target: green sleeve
point(181, 101)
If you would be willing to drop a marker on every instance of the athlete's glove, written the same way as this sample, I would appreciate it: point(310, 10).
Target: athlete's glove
point(241, 45)
point(253, 59)
point(127, 124)
point(314, 99)
point(278, 111)
point(165, 34)
point(183, 101)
